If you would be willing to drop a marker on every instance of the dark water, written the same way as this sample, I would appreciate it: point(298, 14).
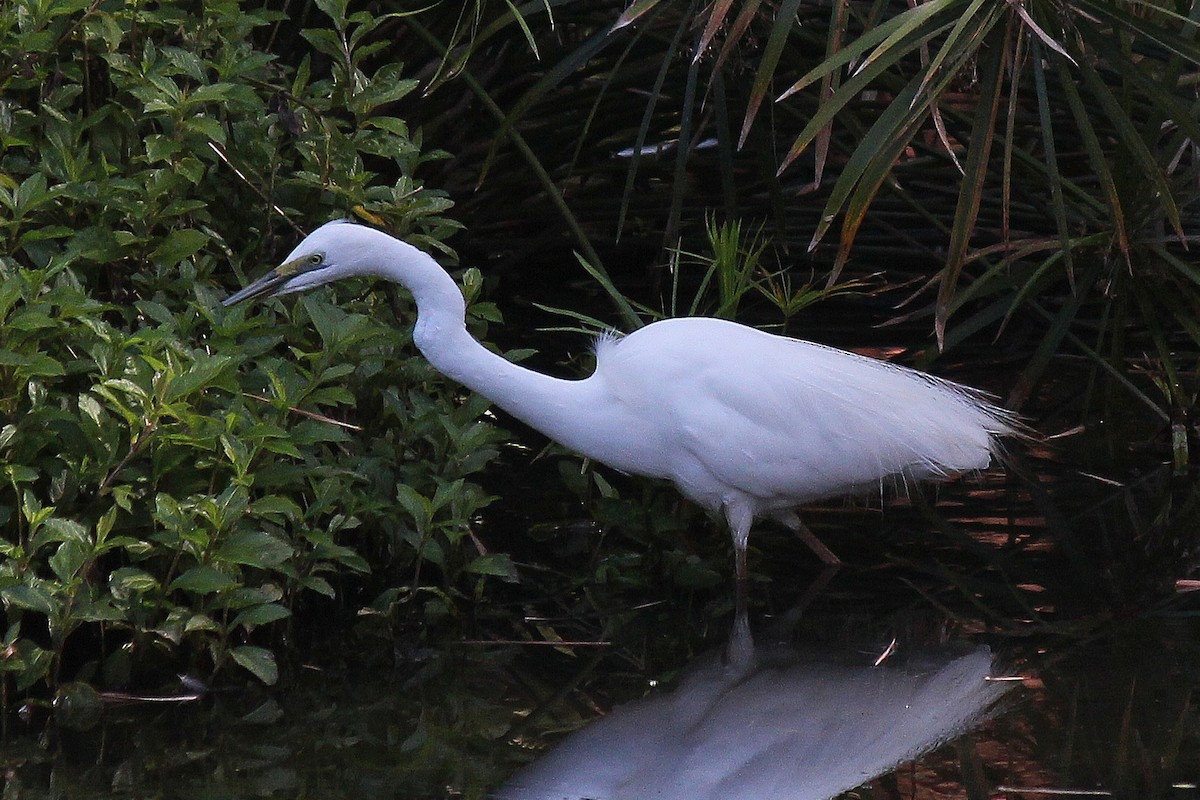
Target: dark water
point(1027, 633)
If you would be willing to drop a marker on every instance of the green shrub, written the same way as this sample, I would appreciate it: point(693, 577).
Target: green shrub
point(176, 476)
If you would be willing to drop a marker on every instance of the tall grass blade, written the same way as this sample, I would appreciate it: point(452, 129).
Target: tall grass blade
point(716, 16)
point(782, 27)
point(950, 45)
point(861, 178)
point(634, 13)
point(745, 17)
point(656, 93)
point(1096, 157)
point(1047, 125)
point(829, 85)
point(682, 152)
point(1163, 103)
point(1051, 342)
point(1128, 135)
point(1188, 271)
point(1045, 38)
point(725, 146)
point(876, 155)
point(520, 20)
point(1118, 18)
point(444, 68)
point(848, 92)
point(983, 131)
point(1010, 128)
point(896, 32)
point(1151, 306)
point(619, 300)
point(887, 132)
point(601, 93)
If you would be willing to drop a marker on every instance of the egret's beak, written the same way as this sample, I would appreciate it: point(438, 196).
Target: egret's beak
point(269, 283)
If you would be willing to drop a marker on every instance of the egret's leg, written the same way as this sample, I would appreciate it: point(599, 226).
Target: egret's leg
point(792, 521)
point(740, 518)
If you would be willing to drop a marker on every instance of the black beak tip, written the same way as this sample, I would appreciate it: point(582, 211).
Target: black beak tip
point(235, 298)
point(263, 287)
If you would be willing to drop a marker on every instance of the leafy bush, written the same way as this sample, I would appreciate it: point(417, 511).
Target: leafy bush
point(177, 476)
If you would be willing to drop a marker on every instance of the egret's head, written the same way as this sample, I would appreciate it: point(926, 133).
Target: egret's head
point(337, 249)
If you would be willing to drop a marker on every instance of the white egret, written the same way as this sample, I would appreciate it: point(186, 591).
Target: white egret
point(743, 422)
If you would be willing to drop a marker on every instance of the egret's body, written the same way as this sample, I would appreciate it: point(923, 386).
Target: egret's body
point(743, 422)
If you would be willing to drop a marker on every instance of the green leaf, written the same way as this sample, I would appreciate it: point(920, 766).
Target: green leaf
point(57, 529)
point(259, 661)
point(68, 558)
point(200, 622)
point(31, 365)
point(261, 615)
point(212, 93)
point(275, 504)
point(104, 525)
point(97, 611)
point(16, 473)
point(387, 86)
point(10, 293)
point(250, 596)
point(207, 127)
point(160, 147)
point(179, 245)
point(336, 10)
point(324, 41)
point(390, 124)
point(201, 374)
point(126, 387)
point(498, 564)
point(29, 597)
point(203, 580)
point(131, 580)
point(418, 507)
point(31, 664)
point(255, 549)
point(318, 584)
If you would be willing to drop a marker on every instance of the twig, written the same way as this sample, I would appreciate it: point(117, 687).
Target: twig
point(309, 414)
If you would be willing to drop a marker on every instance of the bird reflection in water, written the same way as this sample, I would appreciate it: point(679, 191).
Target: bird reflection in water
point(768, 723)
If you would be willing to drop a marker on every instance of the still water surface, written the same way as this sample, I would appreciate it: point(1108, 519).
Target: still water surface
point(1023, 636)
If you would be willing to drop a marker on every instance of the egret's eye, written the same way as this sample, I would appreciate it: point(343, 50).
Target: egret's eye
point(315, 259)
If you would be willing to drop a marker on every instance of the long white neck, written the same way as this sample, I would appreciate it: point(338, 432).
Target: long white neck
point(546, 403)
